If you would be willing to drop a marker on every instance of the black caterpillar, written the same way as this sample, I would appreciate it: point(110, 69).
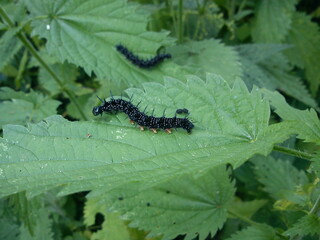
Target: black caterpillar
point(140, 62)
point(141, 118)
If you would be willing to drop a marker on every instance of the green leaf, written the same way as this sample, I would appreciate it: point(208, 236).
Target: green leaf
point(305, 53)
point(191, 205)
point(246, 208)
point(273, 20)
point(42, 228)
point(260, 232)
point(86, 32)
point(281, 179)
point(210, 56)
point(25, 210)
point(25, 107)
point(316, 163)
point(265, 66)
point(305, 122)
point(9, 46)
point(113, 227)
point(309, 224)
point(231, 125)
point(15, 10)
point(67, 73)
point(9, 228)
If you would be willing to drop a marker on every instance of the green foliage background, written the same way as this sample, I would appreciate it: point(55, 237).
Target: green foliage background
point(248, 72)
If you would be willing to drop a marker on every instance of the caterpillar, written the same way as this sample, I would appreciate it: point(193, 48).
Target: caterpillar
point(134, 59)
point(141, 118)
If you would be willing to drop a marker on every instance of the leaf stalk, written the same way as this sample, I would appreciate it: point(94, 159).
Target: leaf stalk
point(293, 152)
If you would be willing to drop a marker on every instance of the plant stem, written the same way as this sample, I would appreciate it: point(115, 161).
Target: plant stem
point(293, 152)
point(34, 52)
point(180, 21)
point(245, 219)
point(22, 66)
point(315, 206)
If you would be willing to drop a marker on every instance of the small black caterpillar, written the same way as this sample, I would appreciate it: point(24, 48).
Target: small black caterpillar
point(141, 118)
point(140, 62)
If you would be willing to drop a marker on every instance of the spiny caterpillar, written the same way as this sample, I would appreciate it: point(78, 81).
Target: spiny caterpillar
point(141, 62)
point(141, 118)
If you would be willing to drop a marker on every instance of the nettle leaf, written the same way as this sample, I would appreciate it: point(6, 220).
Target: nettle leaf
point(304, 122)
point(273, 20)
point(9, 46)
point(262, 232)
point(315, 166)
point(42, 229)
point(231, 125)
point(25, 107)
point(191, 205)
point(67, 73)
point(9, 226)
point(86, 32)
point(305, 53)
point(246, 208)
point(307, 225)
point(113, 227)
point(265, 66)
point(210, 56)
point(281, 179)
point(15, 10)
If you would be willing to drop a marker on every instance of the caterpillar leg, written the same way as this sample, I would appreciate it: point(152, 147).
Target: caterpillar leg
point(141, 128)
point(153, 130)
point(168, 130)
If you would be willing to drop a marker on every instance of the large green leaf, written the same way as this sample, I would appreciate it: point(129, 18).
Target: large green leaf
point(208, 56)
point(304, 122)
point(273, 20)
point(86, 32)
point(265, 66)
point(309, 224)
point(305, 53)
point(25, 108)
point(281, 179)
point(231, 125)
point(192, 205)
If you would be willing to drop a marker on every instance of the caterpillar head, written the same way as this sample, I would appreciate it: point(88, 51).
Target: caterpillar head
point(188, 126)
point(97, 110)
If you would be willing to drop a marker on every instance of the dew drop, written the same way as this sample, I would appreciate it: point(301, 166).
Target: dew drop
point(48, 27)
